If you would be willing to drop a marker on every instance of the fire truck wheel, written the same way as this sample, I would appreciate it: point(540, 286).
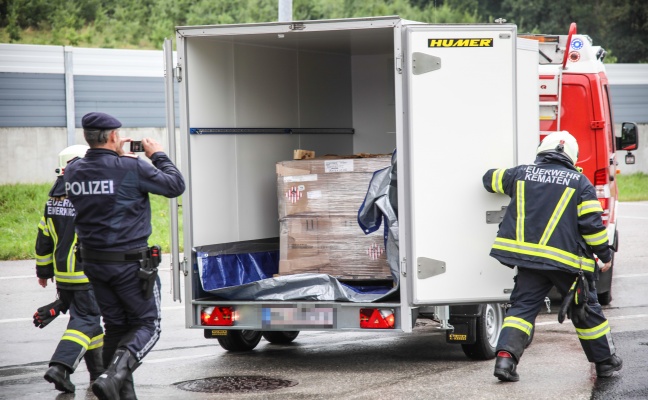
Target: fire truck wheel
point(489, 325)
point(280, 337)
point(240, 340)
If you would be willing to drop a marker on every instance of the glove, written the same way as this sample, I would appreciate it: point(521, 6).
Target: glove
point(574, 305)
point(579, 308)
point(567, 302)
point(46, 314)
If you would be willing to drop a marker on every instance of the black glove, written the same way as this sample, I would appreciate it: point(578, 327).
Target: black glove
point(46, 314)
point(574, 305)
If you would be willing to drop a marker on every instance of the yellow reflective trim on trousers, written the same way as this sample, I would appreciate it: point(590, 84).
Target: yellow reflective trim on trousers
point(496, 181)
point(594, 333)
point(518, 323)
point(556, 215)
point(519, 222)
point(77, 337)
point(589, 206)
point(548, 252)
point(96, 342)
point(596, 238)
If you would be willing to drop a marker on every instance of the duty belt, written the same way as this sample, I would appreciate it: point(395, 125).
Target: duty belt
point(92, 255)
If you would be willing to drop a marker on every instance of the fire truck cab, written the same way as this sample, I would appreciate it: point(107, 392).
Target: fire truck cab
point(575, 97)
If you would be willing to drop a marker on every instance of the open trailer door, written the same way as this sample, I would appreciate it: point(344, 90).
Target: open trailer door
point(460, 119)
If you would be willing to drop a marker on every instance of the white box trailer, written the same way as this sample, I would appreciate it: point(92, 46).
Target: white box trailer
point(454, 100)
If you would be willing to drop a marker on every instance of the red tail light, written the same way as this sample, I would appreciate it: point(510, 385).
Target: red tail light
point(375, 318)
point(217, 316)
point(602, 186)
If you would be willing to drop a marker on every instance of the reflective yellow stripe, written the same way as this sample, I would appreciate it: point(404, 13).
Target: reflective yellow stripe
point(556, 215)
point(589, 206)
point(596, 238)
point(77, 337)
point(71, 258)
point(42, 225)
point(44, 259)
point(519, 222)
point(496, 181)
point(96, 342)
point(593, 333)
point(518, 323)
point(548, 252)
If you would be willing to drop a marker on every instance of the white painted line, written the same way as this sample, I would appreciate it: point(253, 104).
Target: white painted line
point(9, 320)
point(162, 360)
point(18, 277)
point(610, 318)
point(630, 276)
point(623, 216)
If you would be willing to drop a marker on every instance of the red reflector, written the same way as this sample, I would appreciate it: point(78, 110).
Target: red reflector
point(601, 177)
point(217, 316)
point(604, 203)
point(375, 318)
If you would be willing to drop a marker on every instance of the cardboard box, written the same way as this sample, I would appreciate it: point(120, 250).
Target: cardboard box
point(327, 186)
point(333, 246)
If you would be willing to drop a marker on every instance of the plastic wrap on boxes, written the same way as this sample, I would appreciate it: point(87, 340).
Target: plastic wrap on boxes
point(376, 209)
point(235, 264)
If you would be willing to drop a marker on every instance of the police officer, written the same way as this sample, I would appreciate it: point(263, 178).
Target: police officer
point(55, 257)
point(110, 191)
point(551, 231)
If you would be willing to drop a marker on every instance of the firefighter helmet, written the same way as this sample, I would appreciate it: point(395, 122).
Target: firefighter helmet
point(69, 153)
point(560, 142)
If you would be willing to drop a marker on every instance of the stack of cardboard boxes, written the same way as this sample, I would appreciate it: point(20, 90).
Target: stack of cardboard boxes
point(318, 207)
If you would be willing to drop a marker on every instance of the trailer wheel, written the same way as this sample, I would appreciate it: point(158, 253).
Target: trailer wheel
point(489, 325)
point(240, 340)
point(280, 337)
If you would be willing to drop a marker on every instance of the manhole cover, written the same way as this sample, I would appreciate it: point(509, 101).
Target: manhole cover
point(230, 384)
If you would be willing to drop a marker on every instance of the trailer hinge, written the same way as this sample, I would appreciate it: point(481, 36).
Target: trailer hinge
point(597, 124)
point(177, 71)
point(183, 266)
point(297, 26)
point(399, 63)
point(404, 266)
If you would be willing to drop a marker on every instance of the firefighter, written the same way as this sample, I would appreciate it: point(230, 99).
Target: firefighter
point(55, 258)
point(552, 231)
point(110, 191)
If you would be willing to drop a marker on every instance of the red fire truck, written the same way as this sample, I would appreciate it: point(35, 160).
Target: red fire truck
point(575, 96)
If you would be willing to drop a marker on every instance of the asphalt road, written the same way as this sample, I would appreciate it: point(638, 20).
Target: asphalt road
point(346, 365)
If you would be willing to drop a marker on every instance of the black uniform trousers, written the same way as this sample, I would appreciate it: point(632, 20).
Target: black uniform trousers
point(531, 288)
point(130, 320)
point(83, 331)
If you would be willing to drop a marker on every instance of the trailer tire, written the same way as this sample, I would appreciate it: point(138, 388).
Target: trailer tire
point(488, 327)
point(280, 337)
point(240, 340)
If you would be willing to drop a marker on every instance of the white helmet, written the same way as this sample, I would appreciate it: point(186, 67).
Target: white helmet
point(69, 153)
point(560, 142)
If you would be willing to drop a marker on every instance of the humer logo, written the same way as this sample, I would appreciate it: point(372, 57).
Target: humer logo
point(483, 42)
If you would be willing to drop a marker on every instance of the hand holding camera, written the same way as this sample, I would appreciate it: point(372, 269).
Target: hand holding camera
point(147, 145)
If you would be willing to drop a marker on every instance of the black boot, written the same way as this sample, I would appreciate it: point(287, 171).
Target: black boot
point(94, 362)
point(127, 391)
point(59, 375)
point(604, 369)
point(505, 367)
point(108, 385)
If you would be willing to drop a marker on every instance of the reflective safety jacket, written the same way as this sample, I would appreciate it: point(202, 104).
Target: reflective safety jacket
point(111, 196)
point(553, 220)
point(55, 244)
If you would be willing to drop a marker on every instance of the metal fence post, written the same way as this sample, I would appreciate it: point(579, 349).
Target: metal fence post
point(69, 94)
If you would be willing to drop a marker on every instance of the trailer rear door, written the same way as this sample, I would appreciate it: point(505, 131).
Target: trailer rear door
point(460, 119)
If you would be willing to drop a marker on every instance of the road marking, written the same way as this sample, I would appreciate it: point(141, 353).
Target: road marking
point(610, 318)
point(162, 360)
point(9, 320)
point(630, 276)
point(628, 217)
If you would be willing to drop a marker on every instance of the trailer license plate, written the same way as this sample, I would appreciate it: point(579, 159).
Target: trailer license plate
point(295, 318)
